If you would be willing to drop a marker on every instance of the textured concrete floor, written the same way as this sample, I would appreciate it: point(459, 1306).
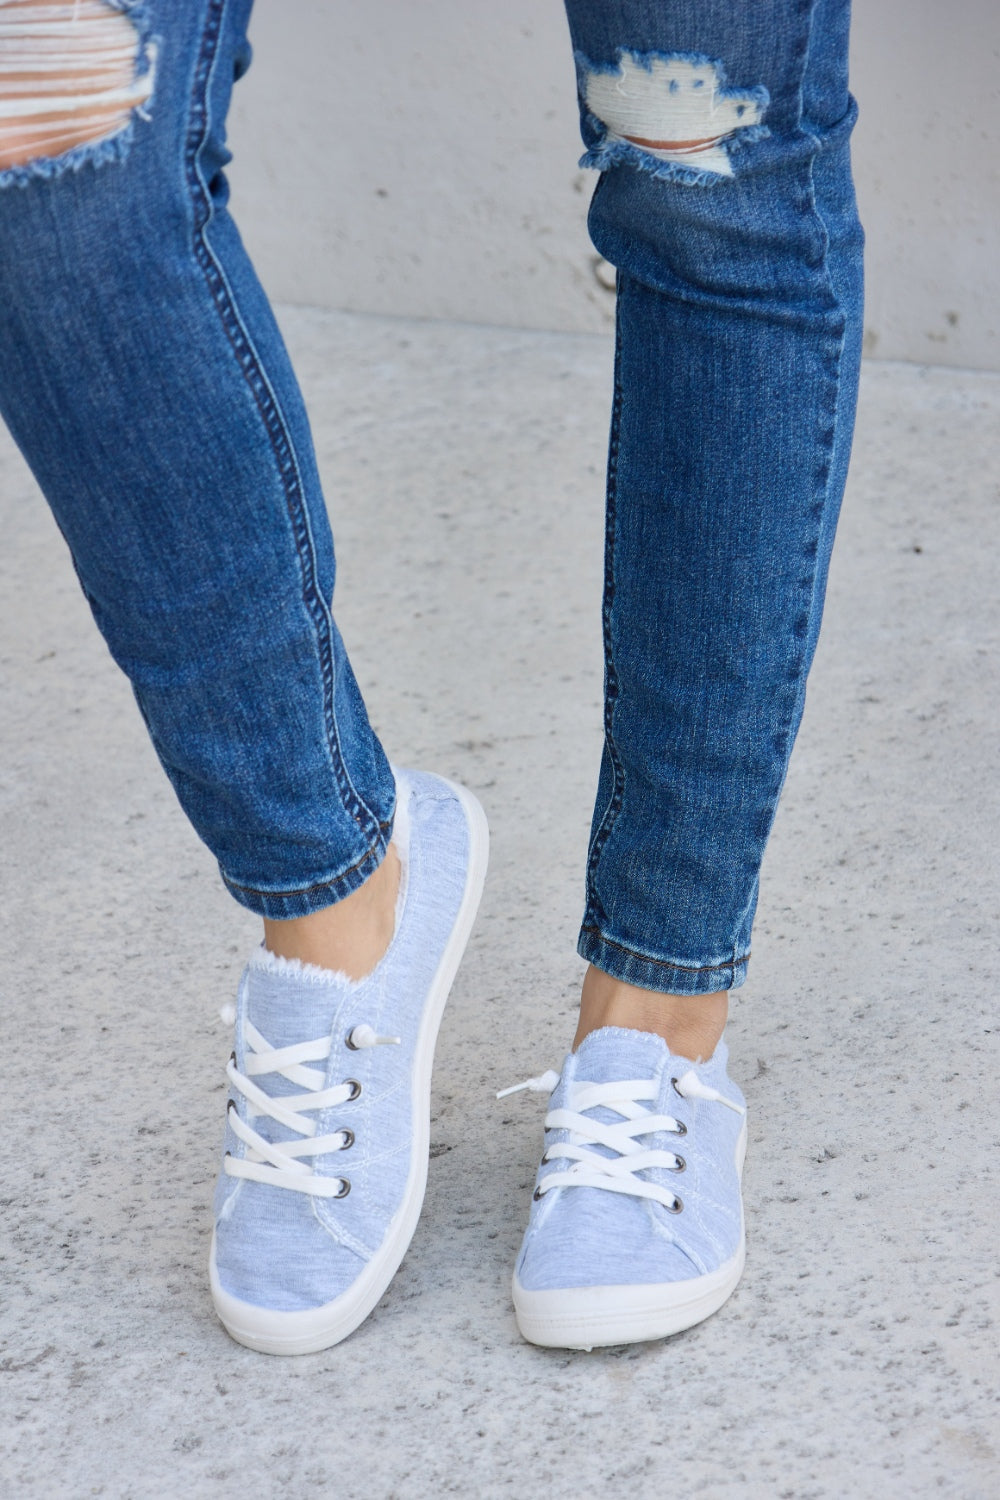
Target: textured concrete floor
point(859, 1357)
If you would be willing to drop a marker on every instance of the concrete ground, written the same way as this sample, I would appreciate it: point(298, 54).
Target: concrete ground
point(859, 1357)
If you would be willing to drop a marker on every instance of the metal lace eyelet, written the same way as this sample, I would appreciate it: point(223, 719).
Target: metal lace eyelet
point(677, 1207)
point(676, 1089)
point(349, 1042)
point(355, 1088)
point(345, 1188)
point(681, 1164)
point(232, 1057)
point(230, 1105)
point(536, 1194)
point(348, 1141)
point(679, 1128)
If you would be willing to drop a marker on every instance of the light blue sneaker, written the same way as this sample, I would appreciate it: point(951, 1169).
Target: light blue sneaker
point(636, 1226)
point(329, 1113)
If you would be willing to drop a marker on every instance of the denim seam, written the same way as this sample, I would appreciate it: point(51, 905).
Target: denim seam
point(611, 688)
point(669, 963)
point(275, 425)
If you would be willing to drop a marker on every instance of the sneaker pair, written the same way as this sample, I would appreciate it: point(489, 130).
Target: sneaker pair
point(327, 1138)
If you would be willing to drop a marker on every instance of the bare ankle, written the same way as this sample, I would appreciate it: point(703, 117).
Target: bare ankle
point(691, 1025)
point(349, 937)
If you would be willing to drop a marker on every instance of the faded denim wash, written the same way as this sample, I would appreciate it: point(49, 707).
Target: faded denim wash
point(143, 376)
point(739, 329)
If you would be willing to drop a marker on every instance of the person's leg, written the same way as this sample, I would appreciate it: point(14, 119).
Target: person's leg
point(739, 323)
point(726, 204)
point(144, 378)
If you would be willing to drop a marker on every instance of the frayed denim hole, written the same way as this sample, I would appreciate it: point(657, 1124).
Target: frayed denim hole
point(141, 16)
point(47, 128)
point(672, 115)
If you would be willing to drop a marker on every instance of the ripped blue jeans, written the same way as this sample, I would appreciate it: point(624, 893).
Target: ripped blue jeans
point(145, 381)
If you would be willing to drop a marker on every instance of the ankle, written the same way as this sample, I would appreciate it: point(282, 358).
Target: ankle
point(349, 937)
point(691, 1025)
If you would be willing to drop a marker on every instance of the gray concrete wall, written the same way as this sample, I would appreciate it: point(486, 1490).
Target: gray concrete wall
point(421, 160)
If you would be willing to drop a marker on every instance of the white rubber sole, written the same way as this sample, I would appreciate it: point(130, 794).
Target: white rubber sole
point(592, 1317)
point(316, 1328)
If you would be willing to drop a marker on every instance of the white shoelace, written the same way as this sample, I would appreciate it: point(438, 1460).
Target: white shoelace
point(617, 1173)
point(284, 1164)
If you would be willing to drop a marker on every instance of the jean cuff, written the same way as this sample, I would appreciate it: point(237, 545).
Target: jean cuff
point(282, 906)
point(663, 974)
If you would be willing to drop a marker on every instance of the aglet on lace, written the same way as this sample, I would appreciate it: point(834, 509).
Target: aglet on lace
point(542, 1085)
point(691, 1087)
point(364, 1036)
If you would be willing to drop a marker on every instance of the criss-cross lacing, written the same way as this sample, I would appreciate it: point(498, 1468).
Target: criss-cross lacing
point(617, 1173)
point(284, 1164)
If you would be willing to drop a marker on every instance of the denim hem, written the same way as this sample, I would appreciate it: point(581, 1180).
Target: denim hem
point(282, 906)
point(663, 974)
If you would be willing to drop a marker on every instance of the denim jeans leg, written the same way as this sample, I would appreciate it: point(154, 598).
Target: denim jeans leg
point(727, 206)
point(144, 378)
